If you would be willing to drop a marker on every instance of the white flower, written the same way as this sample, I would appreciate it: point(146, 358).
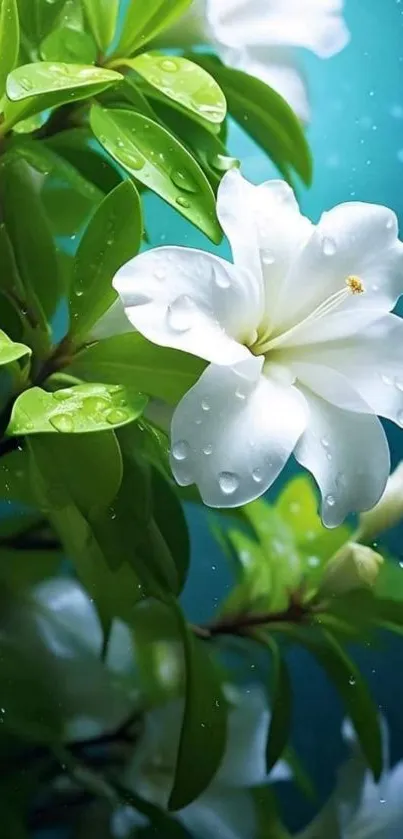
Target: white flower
point(360, 808)
point(225, 809)
point(301, 360)
point(259, 36)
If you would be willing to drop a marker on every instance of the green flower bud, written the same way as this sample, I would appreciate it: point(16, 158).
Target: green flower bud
point(387, 512)
point(353, 567)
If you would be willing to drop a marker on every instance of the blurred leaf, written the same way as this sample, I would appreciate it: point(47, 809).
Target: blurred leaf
point(112, 238)
point(75, 410)
point(253, 593)
point(69, 44)
point(9, 40)
point(10, 351)
point(349, 683)
point(269, 824)
point(130, 360)
point(278, 544)
point(15, 485)
point(390, 580)
point(153, 156)
point(204, 721)
point(184, 83)
point(102, 16)
point(171, 522)
point(281, 707)
point(300, 776)
point(34, 87)
point(157, 651)
point(143, 22)
point(265, 115)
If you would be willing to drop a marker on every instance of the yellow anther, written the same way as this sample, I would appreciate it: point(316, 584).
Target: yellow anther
point(355, 285)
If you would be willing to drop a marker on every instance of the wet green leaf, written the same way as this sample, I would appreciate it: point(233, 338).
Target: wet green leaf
point(265, 115)
point(9, 40)
point(131, 360)
point(102, 16)
point(154, 157)
point(184, 83)
point(112, 237)
point(38, 16)
point(204, 721)
point(34, 87)
point(143, 22)
point(75, 410)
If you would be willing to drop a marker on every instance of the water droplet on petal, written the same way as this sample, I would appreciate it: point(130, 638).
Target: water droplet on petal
point(329, 456)
point(159, 274)
point(390, 223)
point(399, 384)
point(330, 500)
point(62, 422)
point(180, 313)
point(221, 278)
point(268, 257)
point(205, 405)
point(208, 449)
point(180, 450)
point(229, 482)
point(325, 442)
point(257, 475)
point(386, 379)
point(329, 246)
point(240, 394)
point(139, 299)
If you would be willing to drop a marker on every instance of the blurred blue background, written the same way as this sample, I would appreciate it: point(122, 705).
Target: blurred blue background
point(356, 136)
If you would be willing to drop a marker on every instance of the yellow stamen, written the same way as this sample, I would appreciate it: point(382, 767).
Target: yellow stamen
point(355, 285)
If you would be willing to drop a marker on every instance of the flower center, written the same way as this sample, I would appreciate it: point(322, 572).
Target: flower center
point(353, 285)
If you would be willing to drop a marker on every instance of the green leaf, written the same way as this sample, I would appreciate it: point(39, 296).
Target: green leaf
point(265, 115)
point(144, 21)
point(112, 237)
point(171, 522)
point(281, 707)
point(253, 593)
point(184, 83)
point(153, 156)
point(69, 44)
point(204, 722)
point(131, 360)
point(38, 16)
point(35, 87)
point(78, 147)
point(346, 677)
point(10, 351)
point(75, 410)
point(9, 40)
point(102, 16)
point(157, 653)
point(15, 485)
point(34, 251)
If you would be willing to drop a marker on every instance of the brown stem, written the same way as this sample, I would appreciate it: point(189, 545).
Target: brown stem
point(240, 624)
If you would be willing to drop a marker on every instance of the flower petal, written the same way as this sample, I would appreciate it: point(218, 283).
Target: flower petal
point(233, 432)
point(191, 301)
point(313, 24)
point(264, 227)
point(353, 239)
point(277, 67)
point(348, 456)
point(372, 364)
point(228, 814)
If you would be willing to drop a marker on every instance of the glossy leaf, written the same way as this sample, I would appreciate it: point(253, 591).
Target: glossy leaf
point(349, 683)
point(112, 237)
point(68, 44)
point(171, 522)
point(102, 16)
point(38, 16)
point(185, 84)
point(34, 87)
point(11, 351)
point(9, 40)
point(144, 21)
point(75, 410)
point(154, 157)
point(265, 115)
point(204, 722)
point(78, 147)
point(131, 360)
point(281, 707)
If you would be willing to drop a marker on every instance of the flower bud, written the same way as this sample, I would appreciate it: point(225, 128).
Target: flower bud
point(387, 512)
point(353, 567)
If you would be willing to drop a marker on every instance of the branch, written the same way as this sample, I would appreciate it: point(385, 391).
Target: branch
point(240, 624)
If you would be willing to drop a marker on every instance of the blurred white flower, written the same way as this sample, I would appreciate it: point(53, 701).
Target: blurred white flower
point(388, 512)
point(260, 37)
point(353, 566)
point(225, 809)
point(57, 625)
point(360, 808)
point(304, 353)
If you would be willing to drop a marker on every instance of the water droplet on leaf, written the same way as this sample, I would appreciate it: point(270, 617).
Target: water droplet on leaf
point(168, 65)
point(183, 202)
point(116, 416)
point(184, 180)
point(62, 395)
point(62, 422)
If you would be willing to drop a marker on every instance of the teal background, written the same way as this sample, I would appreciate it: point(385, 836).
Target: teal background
point(356, 136)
